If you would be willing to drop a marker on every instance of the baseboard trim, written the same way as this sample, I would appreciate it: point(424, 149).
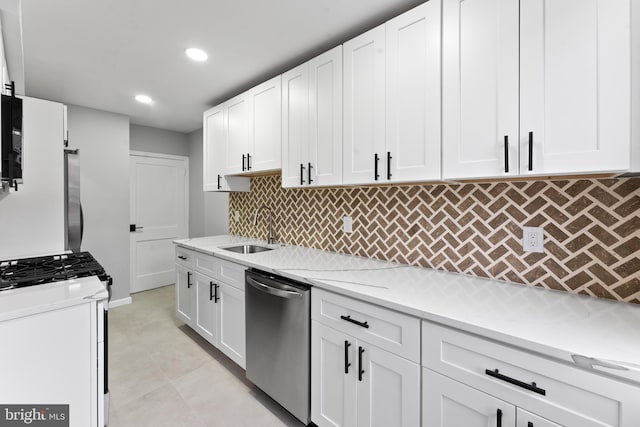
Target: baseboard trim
point(119, 302)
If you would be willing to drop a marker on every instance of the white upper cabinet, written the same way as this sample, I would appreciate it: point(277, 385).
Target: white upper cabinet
point(364, 108)
point(214, 149)
point(392, 100)
point(237, 140)
point(575, 73)
point(413, 94)
point(265, 136)
point(253, 137)
point(479, 88)
point(570, 60)
point(312, 122)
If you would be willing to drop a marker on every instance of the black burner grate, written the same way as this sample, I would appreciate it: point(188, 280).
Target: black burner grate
point(35, 271)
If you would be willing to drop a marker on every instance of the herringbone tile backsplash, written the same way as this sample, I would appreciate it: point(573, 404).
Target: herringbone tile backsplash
point(591, 228)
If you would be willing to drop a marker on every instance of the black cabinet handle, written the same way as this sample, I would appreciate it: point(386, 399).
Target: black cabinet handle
point(216, 297)
point(389, 165)
point(360, 370)
point(309, 174)
point(248, 161)
point(499, 418)
point(188, 279)
point(243, 158)
point(349, 319)
point(530, 151)
point(531, 387)
point(376, 175)
point(529, 424)
point(219, 186)
point(210, 291)
point(506, 154)
point(347, 344)
point(182, 257)
point(301, 174)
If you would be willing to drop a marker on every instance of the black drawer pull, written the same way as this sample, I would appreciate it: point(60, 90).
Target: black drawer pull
point(499, 418)
point(182, 257)
point(531, 387)
point(530, 151)
point(360, 370)
point(219, 186)
point(376, 175)
point(389, 165)
point(216, 297)
point(211, 291)
point(188, 279)
point(243, 158)
point(309, 173)
point(301, 174)
point(506, 154)
point(349, 319)
point(347, 344)
point(248, 161)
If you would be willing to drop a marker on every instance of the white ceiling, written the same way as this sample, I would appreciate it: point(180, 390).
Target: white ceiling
point(100, 53)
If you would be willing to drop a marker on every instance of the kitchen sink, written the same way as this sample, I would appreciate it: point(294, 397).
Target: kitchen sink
point(247, 249)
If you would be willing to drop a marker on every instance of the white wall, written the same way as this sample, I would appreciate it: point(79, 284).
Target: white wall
point(103, 140)
point(153, 140)
point(208, 212)
point(32, 218)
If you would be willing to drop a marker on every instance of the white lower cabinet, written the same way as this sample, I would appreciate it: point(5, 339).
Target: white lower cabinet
point(354, 382)
point(185, 296)
point(212, 307)
point(471, 381)
point(449, 403)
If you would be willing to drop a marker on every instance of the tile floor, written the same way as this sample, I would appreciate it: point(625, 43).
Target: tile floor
point(162, 373)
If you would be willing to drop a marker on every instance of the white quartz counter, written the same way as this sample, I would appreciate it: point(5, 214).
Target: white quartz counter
point(569, 327)
point(30, 300)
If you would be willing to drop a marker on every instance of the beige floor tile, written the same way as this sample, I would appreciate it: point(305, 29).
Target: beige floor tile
point(162, 373)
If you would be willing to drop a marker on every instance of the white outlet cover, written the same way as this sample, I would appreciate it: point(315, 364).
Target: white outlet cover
point(236, 216)
point(533, 239)
point(347, 224)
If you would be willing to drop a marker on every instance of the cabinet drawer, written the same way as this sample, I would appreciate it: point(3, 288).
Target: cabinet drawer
point(544, 386)
point(388, 329)
point(184, 256)
point(207, 265)
point(231, 273)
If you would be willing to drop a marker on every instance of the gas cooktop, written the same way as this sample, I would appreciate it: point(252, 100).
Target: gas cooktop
point(23, 272)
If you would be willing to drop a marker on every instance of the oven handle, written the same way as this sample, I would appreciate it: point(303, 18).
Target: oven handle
point(271, 290)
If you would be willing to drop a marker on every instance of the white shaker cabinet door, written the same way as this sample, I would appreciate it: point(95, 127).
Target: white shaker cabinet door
point(231, 310)
point(388, 388)
point(575, 86)
point(479, 88)
point(213, 148)
point(448, 403)
point(265, 135)
point(333, 377)
point(364, 107)
point(205, 314)
point(527, 419)
point(237, 138)
point(185, 296)
point(413, 95)
point(324, 163)
point(295, 126)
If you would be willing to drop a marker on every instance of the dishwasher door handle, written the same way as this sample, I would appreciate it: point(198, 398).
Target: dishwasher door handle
point(271, 290)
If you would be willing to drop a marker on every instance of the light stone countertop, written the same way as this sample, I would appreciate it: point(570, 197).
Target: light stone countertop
point(548, 322)
point(32, 300)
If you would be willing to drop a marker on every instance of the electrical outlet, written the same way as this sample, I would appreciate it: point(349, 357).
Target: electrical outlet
point(347, 224)
point(236, 216)
point(532, 239)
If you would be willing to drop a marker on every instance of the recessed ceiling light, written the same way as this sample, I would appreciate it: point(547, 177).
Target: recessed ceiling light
point(196, 54)
point(144, 99)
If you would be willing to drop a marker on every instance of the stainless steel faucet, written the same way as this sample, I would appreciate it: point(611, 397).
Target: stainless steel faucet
point(271, 238)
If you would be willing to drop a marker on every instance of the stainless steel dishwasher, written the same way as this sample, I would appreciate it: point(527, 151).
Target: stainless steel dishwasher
point(278, 340)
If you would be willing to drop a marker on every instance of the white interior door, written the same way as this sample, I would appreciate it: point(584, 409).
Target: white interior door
point(160, 211)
